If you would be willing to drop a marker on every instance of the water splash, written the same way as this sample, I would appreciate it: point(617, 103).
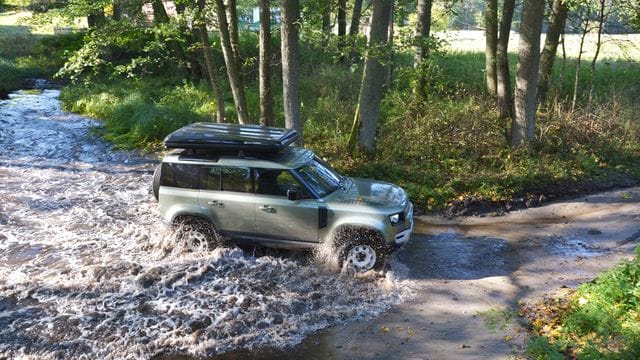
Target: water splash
point(88, 270)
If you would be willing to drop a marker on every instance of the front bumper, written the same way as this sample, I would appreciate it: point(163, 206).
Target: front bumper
point(403, 236)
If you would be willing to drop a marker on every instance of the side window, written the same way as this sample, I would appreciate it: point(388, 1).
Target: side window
point(210, 179)
point(180, 175)
point(276, 182)
point(237, 179)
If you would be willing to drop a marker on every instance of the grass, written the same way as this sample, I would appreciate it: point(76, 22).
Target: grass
point(600, 320)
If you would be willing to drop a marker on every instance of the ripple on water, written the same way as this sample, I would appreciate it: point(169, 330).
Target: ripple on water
point(88, 269)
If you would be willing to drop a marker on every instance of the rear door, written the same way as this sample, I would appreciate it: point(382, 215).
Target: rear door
point(279, 218)
point(227, 193)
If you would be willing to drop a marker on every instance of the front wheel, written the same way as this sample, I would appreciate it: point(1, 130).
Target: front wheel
point(363, 251)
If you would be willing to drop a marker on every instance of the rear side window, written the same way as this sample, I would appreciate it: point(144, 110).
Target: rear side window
point(210, 178)
point(237, 179)
point(180, 175)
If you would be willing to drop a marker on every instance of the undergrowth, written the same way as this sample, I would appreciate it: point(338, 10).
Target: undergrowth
point(448, 146)
point(600, 320)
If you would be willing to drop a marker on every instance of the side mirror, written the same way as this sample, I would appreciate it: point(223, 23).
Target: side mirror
point(293, 194)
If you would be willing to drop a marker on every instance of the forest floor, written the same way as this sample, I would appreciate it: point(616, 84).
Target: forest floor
point(471, 275)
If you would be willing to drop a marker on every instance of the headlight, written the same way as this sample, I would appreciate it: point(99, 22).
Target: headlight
point(396, 218)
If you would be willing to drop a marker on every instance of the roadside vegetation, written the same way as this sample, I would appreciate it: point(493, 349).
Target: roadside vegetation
point(599, 320)
point(27, 54)
point(448, 146)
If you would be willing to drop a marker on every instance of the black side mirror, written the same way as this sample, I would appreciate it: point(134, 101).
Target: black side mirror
point(293, 194)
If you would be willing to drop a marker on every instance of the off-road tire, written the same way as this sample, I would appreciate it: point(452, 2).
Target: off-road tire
point(156, 181)
point(196, 234)
point(363, 249)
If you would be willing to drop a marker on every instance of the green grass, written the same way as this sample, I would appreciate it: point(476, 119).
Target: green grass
point(601, 320)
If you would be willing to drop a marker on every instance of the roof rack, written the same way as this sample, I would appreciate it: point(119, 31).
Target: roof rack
point(231, 137)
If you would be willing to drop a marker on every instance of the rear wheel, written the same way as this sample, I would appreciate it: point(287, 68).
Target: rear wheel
point(156, 181)
point(196, 234)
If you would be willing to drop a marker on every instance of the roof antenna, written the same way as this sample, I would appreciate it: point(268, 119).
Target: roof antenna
point(241, 153)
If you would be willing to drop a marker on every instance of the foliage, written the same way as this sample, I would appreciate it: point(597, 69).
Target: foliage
point(140, 113)
point(442, 147)
point(27, 55)
point(600, 320)
point(121, 48)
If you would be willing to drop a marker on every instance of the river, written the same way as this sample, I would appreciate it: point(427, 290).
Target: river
point(88, 269)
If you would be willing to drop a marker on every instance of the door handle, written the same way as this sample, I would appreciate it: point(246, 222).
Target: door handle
point(215, 203)
point(267, 208)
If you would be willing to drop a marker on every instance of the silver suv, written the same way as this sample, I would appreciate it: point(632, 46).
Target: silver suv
point(247, 183)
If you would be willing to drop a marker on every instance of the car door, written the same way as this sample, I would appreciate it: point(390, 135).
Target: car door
point(279, 218)
point(227, 193)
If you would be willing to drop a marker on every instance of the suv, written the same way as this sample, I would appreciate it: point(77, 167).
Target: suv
point(248, 183)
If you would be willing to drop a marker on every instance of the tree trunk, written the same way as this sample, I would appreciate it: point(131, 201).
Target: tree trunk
point(232, 21)
point(290, 17)
point(96, 19)
point(558, 15)
point(523, 125)
point(266, 95)
point(342, 18)
point(354, 29)
point(373, 77)
point(585, 31)
point(159, 12)
point(504, 92)
point(390, 38)
point(491, 39)
point(326, 21)
point(601, 20)
point(117, 10)
point(233, 68)
point(210, 62)
point(423, 30)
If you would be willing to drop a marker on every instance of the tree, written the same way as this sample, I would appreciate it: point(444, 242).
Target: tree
point(290, 18)
point(232, 20)
point(233, 67)
point(423, 29)
point(342, 18)
point(556, 23)
point(325, 6)
point(491, 39)
point(373, 76)
point(523, 124)
point(354, 28)
point(201, 25)
point(503, 77)
point(266, 95)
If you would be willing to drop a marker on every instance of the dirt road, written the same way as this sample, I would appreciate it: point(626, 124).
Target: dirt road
point(470, 273)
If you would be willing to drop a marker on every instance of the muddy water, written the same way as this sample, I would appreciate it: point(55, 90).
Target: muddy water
point(87, 269)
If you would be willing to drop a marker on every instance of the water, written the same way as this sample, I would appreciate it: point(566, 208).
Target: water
point(88, 270)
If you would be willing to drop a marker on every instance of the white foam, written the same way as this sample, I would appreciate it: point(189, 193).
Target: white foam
point(87, 268)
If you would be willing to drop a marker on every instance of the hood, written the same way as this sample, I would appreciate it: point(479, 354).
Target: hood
point(371, 193)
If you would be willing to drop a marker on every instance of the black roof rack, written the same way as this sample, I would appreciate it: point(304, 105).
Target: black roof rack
point(231, 137)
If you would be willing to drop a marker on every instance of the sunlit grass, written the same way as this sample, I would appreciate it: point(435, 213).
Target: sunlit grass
point(617, 47)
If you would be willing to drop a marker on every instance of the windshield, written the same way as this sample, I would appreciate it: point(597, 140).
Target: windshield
point(320, 177)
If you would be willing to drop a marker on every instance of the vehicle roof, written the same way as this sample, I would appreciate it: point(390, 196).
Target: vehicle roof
point(231, 137)
point(291, 157)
